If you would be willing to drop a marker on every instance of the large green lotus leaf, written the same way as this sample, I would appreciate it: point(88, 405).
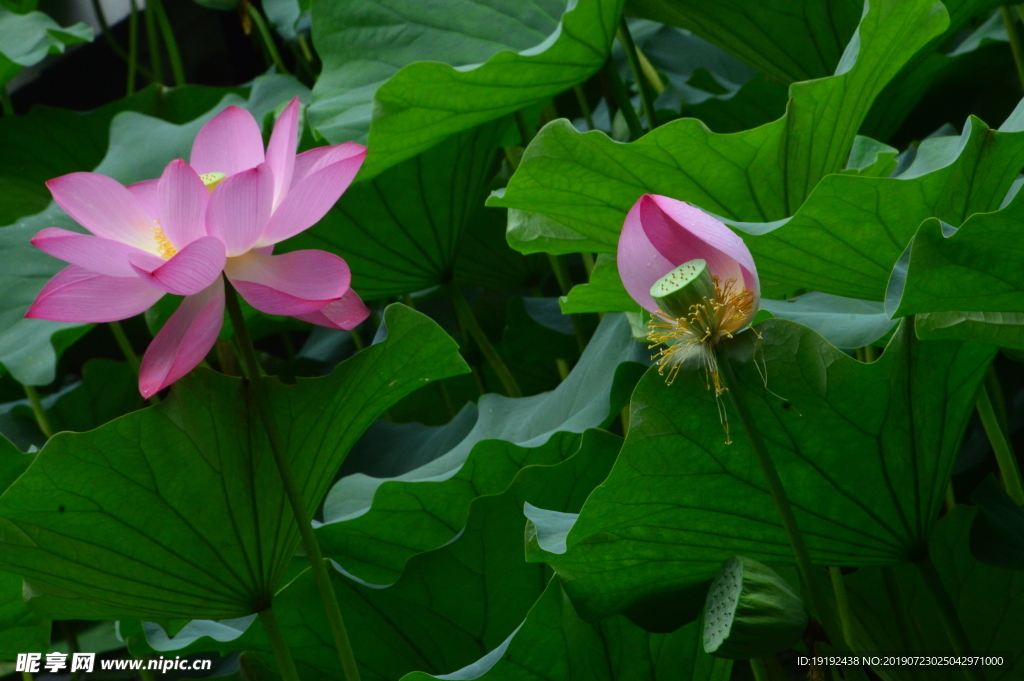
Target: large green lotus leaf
point(865, 470)
point(975, 268)
point(401, 232)
point(48, 142)
point(554, 643)
point(486, 261)
point(108, 389)
point(450, 606)
point(585, 183)
point(26, 39)
point(790, 40)
point(464, 64)
point(1003, 329)
point(848, 235)
point(140, 146)
point(438, 472)
point(989, 602)
point(217, 534)
point(979, 53)
point(21, 629)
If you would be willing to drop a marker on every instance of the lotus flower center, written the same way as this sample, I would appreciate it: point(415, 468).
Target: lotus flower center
point(211, 180)
point(163, 244)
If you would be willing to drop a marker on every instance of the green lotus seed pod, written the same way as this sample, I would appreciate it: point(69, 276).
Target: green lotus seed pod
point(685, 286)
point(751, 612)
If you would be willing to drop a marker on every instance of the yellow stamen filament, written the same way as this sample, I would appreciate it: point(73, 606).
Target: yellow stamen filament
point(692, 339)
point(163, 244)
point(211, 180)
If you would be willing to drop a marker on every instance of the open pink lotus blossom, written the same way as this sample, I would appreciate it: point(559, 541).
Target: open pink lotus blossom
point(222, 213)
point(664, 242)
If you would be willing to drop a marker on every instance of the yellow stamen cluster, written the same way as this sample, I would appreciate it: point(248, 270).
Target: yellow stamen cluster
point(691, 339)
point(164, 247)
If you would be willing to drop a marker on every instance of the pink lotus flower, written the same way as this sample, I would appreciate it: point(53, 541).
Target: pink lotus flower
point(693, 274)
point(222, 213)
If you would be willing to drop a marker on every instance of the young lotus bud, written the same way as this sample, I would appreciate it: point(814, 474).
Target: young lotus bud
point(751, 612)
point(687, 285)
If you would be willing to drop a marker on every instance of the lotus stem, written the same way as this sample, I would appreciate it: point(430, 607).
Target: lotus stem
point(581, 98)
point(904, 623)
point(1016, 43)
point(5, 100)
point(759, 670)
point(153, 40)
point(254, 378)
point(1008, 470)
point(947, 613)
point(467, 319)
point(42, 420)
point(113, 44)
point(621, 94)
point(129, 352)
point(285, 663)
point(133, 46)
point(632, 54)
point(173, 53)
point(588, 264)
point(842, 603)
point(808, 575)
point(268, 40)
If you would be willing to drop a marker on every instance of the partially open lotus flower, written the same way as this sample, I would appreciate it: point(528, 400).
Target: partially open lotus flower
point(693, 274)
point(222, 213)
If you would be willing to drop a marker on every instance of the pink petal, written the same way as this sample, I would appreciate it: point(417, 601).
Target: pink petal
point(240, 207)
point(94, 253)
point(182, 202)
point(190, 271)
point(310, 198)
point(104, 207)
point(309, 162)
point(281, 149)
point(300, 282)
point(682, 232)
point(230, 143)
point(145, 192)
point(346, 313)
point(78, 295)
point(640, 264)
point(184, 340)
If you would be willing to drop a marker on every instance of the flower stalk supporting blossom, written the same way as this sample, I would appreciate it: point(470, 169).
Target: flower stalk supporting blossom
point(258, 393)
point(278, 645)
point(698, 280)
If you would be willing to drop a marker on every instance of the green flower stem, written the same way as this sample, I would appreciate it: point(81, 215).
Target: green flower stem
point(173, 53)
point(759, 670)
point(113, 44)
point(842, 603)
point(581, 98)
point(1005, 458)
point(268, 40)
point(621, 94)
point(285, 663)
point(26, 676)
point(133, 46)
point(632, 54)
point(42, 420)
point(904, 624)
point(1016, 43)
point(5, 100)
point(126, 347)
point(524, 129)
point(588, 264)
point(808, 574)
point(153, 40)
point(464, 313)
point(147, 674)
point(947, 613)
point(254, 378)
point(561, 271)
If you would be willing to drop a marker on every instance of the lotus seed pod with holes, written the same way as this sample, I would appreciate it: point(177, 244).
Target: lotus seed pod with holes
point(687, 285)
point(751, 612)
